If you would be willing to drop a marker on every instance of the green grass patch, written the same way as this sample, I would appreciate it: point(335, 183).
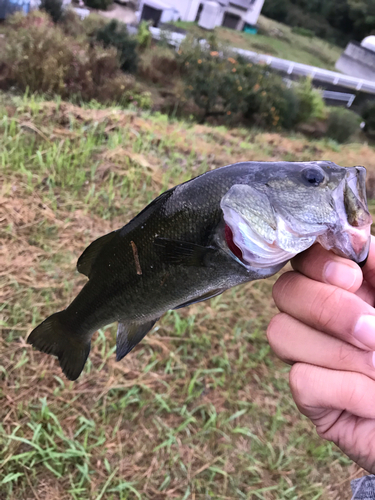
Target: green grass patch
point(278, 40)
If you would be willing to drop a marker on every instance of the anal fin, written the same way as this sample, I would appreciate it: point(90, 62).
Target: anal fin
point(129, 335)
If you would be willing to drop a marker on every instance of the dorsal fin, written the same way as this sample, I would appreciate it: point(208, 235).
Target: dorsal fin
point(87, 259)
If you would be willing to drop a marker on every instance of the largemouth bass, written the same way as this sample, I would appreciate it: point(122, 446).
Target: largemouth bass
point(228, 226)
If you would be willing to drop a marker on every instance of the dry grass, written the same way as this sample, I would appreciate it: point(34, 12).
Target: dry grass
point(201, 409)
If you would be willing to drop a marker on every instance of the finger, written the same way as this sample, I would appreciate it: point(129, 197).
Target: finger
point(315, 388)
point(366, 293)
point(369, 267)
point(293, 341)
point(326, 308)
point(321, 265)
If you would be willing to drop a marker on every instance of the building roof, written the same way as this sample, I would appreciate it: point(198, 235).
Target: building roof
point(159, 4)
point(242, 4)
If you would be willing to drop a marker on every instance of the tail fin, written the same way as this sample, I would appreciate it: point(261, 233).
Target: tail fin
point(53, 336)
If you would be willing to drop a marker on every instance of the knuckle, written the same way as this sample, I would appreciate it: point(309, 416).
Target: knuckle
point(347, 355)
point(354, 395)
point(299, 382)
point(282, 286)
point(273, 330)
point(328, 308)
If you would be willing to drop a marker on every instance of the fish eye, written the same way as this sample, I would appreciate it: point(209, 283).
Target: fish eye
point(312, 177)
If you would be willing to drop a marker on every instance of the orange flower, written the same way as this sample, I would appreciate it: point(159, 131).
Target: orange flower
point(234, 70)
point(256, 87)
point(199, 61)
point(214, 53)
point(231, 60)
point(229, 112)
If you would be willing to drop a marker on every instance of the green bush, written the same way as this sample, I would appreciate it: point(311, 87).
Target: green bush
point(217, 83)
point(225, 84)
point(93, 23)
point(144, 37)
point(368, 115)
point(342, 124)
point(98, 4)
point(311, 103)
point(54, 8)
point(115, 34)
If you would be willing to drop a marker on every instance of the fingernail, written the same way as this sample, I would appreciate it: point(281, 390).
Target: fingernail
point(365, 331)
point(340, 275)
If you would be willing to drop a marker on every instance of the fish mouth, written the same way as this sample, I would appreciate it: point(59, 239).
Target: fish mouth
point(347, 234)
point(350, 238)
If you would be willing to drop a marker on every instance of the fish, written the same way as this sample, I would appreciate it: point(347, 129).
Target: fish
point(228, 226)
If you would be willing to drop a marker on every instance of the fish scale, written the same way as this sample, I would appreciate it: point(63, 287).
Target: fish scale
point(228, 226)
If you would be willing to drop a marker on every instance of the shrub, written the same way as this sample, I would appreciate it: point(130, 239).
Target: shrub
point(275, 105)
point(71, 24)
point(144, 37)
point(342, 124)
point(39, 56)
point(98, 4)
point(116, 35)
point(93, 23)
point(368, 115)
point(159, 65)
point(54, 8)
point(229, 85)
point(123, 89)
point(311, 103)
point(36, 54)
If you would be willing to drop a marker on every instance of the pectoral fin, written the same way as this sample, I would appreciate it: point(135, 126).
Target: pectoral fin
point(129, 335)
point(182, 252)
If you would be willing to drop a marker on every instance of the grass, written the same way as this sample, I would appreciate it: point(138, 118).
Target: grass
point(278, 40)
point(201, 409)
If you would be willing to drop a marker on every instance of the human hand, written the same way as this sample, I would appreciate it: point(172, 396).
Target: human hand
point(326, 329)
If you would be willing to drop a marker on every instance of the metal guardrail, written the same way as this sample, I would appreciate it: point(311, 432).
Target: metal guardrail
point(284, 65)
point(331, 95)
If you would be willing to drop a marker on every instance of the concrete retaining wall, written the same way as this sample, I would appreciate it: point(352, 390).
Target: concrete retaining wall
point(357, 61)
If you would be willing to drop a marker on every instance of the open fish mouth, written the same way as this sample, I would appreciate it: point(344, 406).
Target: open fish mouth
point(269, 242)
point(351, 236)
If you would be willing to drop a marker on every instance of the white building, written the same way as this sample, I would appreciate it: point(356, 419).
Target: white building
point(235, 14)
